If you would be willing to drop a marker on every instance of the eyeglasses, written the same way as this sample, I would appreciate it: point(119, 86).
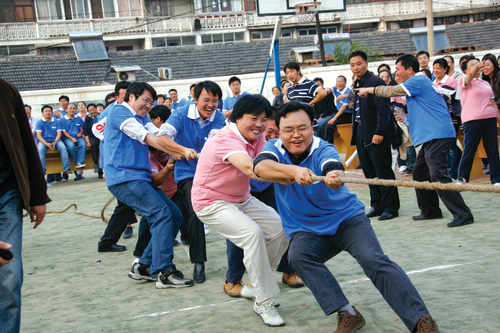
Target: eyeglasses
point(147, 100)
point(206, 101)
point(290, 131)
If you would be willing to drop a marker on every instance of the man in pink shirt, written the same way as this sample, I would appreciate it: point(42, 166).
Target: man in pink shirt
point(221, 199)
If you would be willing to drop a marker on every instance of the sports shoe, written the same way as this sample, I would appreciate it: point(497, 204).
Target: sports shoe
point(426, 324)
point(349, 323)
point(233, 289)
point(79, 177)
point(403, 168)
point(267, 311)
point(64, 180)
point(80, 166)
point(140, 272)
point(292, 280)
point(172, 278)
point(127, 233)
point(247, 292)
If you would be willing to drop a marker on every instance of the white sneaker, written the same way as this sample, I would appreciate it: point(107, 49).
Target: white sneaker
point(496, 184)
point(172, 278)
point(267, 311)
point(403, 168)
point(80, 166)
point(139, 272)
point(247, 292)
point(207, 230)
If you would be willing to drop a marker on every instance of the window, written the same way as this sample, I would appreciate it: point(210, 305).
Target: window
point(223, 38)
point(268, 34)
point(419, 36)
point(16, 50)
point(124, 48)
point(49, 10)
point(17, 11)
point(306, 32)
point(129, 8)
point(56, 51)
point(218, 6)
point(80, 9)
point(174, 41)
point(108, 8)
point(159, 8)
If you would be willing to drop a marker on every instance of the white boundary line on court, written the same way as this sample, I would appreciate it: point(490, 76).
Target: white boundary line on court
point(292, 291)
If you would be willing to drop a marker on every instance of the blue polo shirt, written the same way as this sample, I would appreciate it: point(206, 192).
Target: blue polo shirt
point(317, 208)
point(258, 186)
point(428, 115)
point(231, 100)
point(188, 129)
point(303, 92)
point(343, 101)
point(72, 126)
point(62, 112)
point(49, 129)
point(125, 159)
point(179, 104)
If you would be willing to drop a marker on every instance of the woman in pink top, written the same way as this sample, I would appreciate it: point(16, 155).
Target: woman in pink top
point(440, 69)
point(480, 117)
point(221, 199)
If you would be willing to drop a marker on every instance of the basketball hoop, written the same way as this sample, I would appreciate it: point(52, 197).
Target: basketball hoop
point(306, 11)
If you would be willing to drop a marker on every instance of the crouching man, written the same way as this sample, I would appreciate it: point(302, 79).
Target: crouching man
point(324, 218)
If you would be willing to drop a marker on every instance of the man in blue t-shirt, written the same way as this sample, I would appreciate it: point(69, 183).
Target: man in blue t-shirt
point(176, 103)
point(228, 104)
point(128, 177)
point(324, 218)
point(48, 131)
point(72, 128)
point(430, 126)
point(190, 127)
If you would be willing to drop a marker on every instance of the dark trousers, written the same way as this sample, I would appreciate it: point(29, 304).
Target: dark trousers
point(309, 252)
point(94, 148)
point(432, 165)
point(376, 161)
point(144, 234)
point(473, 132)
point(327, 131)
point(194, 227)
point(236, 268)
point(122, 216)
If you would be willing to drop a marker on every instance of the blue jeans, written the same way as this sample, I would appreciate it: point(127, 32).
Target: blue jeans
point(62, 150)
point(321, 123)
point(79, 157)
point(164, 219)
point(11, 275)
point(308, 253)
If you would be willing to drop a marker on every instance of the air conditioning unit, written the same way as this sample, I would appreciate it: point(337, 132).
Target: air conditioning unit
point(165, 73)
point(125, 73)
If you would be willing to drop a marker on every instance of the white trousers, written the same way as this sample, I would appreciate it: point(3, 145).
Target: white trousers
point(256, 228)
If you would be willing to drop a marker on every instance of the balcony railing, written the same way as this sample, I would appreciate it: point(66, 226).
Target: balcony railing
point(58, 29)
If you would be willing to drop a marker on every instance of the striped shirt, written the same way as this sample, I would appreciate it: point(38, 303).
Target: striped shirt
point(303, 92)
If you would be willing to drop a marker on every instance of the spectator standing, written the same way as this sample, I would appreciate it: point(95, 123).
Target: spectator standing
point(491, 74)
point(90, 139)
point(176, 103)
point(236, 93)
point(301, 89)
point(32, 120)
point(63, 102)
point(451, 64)
point(22, 185)
point(479, 117)
point(278, 97)
point(168, 103)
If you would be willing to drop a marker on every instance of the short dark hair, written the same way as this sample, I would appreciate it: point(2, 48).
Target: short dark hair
point(209, 86)
point(27, 106)
point(383, 65)
point(161, 111)
point(234, 78)
point(466, 60)
point(292, 65)
point(172, 90)
point(47, 106)
point(342, 76)
point(99, 104)
point(63, 97)
point(168, 98)
point(283, 83)
point(251, 104)
point(427, 73)
point(409, 60)
point(361, 54)
point(451, 58)
point(160, 95)
point(423, 52)
point(319, 79)
point(108, 96)
point(121, 85)
point(385, 71)
point(294, 107)
point(82, 102)
point(442, 62)
point(192, 86)
point(137, 88)
point(91, 104)
point(462, 58)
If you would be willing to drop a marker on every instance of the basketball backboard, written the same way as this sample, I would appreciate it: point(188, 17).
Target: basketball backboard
point(287, 7)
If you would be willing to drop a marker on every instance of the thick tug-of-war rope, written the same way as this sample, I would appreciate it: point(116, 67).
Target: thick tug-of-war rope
point(415, 184)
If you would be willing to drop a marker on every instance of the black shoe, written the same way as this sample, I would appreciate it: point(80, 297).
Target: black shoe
point(426, 217)
point(96, 168)
point(79, 177)
point(373, 213)
point(199, 272)
point(128, 232)
point(460, 223)
point(387, 216)
point(112, 248)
